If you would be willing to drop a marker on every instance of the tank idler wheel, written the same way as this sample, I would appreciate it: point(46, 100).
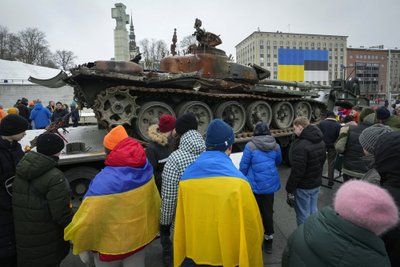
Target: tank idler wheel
point(256, 112)
point(316, 113)
point(302, 108)
point(149, 114)
point(233, 113)
point(202, 111)
point(283, 115)
point(115, 107)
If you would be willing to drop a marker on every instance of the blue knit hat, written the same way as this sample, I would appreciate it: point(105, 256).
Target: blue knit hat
point(219, 135)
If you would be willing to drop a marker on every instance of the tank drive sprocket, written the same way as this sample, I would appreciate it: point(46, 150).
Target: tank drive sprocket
point(115, 106)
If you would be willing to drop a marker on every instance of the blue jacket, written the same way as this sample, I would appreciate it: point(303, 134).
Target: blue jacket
point(41, 116)
point(260, 157)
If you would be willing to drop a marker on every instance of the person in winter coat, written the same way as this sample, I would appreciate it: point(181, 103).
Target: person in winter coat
point(59, 114)
point(119, 215)
point(348, 234)
point(40, 116)
point(12, 130)
point(330, 128)
point(23, 109)
point(3, 113)
point(368, 140)
point(383, 116)
point(387, 154)
point(74, 115)
point(355, 164)
point(218, 222)
point(41, 205)
point(191, 145)
point(160, 146)
point(260, 157)
point(305, 179)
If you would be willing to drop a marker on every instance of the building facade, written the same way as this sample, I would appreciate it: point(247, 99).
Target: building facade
point(369, 66)
point(295, 56)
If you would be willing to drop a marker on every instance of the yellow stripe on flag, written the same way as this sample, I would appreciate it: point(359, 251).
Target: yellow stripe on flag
point(294, 73)
point(117, 223)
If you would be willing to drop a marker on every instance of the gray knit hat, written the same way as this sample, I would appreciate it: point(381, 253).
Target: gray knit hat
point(370, 136)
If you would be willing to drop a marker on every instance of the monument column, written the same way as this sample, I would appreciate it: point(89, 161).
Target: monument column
point(121, 40)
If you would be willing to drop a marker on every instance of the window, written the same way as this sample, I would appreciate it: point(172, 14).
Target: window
point(281, 43)
point(306, 44)
point(268, 60)
point(319, 45)
point(312, 44)
point(287, 44)
point(300, 44)
point(267, 42)
point(294, 44)
point(274, 43)
point(351, 56)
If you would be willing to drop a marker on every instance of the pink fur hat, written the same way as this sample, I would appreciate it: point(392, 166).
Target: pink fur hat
point(366, 205)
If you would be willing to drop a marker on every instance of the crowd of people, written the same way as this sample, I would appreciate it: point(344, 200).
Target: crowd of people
point(40, 116)
point(185, 190)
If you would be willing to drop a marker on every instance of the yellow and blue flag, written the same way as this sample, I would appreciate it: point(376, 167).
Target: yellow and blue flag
point(302, 65)
point(119, 214)
point(217, 218)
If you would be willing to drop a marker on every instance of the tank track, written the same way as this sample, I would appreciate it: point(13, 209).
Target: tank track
point(167, 94)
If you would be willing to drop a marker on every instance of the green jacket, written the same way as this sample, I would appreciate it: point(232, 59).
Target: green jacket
point(326, 239)
point(41, 207)
point(393, 122)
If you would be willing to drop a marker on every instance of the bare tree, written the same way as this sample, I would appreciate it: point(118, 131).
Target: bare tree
point(186, 42)
point(153, 52)
point(3, 41)
point(64, 59)
point(9, 44)
point(33, 45)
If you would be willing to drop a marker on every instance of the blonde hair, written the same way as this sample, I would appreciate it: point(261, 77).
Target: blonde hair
point(301, 121)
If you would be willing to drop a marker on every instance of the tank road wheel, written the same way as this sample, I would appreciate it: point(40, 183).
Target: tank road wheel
point(232, 113)
point(302, 108)
point(202, 111)
point(149, 114)
point(115, 107)
point(258, 111)
point(317, 112)
point(283, 115)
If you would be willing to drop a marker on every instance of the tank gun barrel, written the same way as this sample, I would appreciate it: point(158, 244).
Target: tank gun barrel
point(300, 85)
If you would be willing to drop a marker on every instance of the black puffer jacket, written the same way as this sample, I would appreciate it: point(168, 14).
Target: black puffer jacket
point(41, 206)
point(387, 154)
point(354, 159)
point(308, 157)
point(158, 152)
point(330, 129)
point(10, 155)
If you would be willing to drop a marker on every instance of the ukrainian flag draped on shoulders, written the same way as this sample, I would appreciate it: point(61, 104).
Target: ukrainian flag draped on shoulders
point(120, 211)
point(217, 218)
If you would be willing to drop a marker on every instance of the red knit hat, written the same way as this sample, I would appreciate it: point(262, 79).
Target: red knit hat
point(167, 123)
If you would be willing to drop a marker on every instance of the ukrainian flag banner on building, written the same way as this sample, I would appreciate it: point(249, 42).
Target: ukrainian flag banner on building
point(302, 65)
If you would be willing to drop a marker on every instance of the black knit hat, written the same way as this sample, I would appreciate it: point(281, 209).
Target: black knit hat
point(49, 144)
point(261, 129)
point(382, 113)
point(13, 124)
point(186, 122)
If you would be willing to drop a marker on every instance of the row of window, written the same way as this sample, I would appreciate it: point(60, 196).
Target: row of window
point(275, 43)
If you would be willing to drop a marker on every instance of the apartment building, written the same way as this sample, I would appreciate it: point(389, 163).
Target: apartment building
point(295, 56)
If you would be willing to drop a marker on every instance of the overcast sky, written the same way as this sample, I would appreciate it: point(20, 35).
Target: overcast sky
point(86, 27)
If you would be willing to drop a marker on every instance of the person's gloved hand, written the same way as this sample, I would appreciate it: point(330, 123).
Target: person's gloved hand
point(290, 200)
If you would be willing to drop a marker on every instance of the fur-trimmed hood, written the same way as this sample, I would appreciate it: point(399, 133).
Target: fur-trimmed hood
point(156, 136)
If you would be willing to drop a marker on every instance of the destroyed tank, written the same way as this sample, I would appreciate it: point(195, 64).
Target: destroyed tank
point(204, 81)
